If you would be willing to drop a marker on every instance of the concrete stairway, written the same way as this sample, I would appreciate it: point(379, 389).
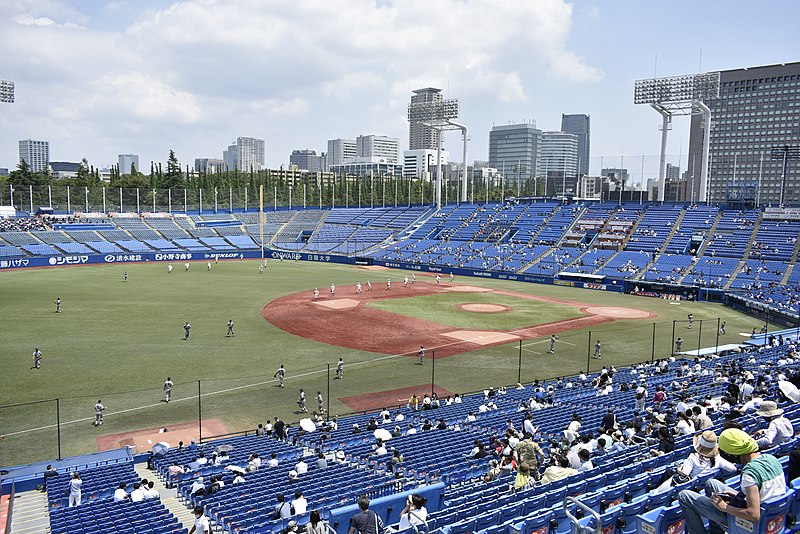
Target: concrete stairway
point(30, 515)
point(168, 496)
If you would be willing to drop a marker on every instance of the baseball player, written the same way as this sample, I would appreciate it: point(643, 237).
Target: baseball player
point(37, 358)
point(301, 402)
point(451, 277)
point(438, 279)
point(405, 281)
point(691, 320)
point(98, 413)
point(358, 288)
point(369, 285)
point(340, 369)
point(209, 266)
point(421, 355)
point(168, 389)
point(230, 333)
point(187, 266)
point(597, 350)
point(280, 374)
point(316, 294)
point(333, 289)
point(320, 403)
point(679, 344)
point(169, 269)
point(58, 304)
point(186, 329)
point(125, 276)
point(413, 278)
point(388, 284)
point(553, 339)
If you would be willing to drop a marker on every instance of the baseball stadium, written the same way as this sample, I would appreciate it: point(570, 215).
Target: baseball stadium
point(395, 350)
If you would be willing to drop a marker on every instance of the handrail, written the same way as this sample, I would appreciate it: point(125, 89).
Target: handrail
point(576, 522)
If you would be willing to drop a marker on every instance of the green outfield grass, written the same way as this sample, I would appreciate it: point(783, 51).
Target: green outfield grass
point(118, 341)
point(444, 309)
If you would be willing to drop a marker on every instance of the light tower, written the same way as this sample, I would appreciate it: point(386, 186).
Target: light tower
point(438, 115)
point(680, 95)
point(6, 92)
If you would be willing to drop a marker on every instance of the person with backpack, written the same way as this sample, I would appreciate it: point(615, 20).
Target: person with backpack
point(365, 521)
point(283, 510)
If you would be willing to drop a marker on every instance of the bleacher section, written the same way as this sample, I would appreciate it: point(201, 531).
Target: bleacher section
point(620, 485)
point(675, 244)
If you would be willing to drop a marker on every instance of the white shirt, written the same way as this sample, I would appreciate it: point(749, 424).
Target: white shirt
point(151, 494)
point(417, 519)
point(238, 480)
point(300, 505)
point(779, 430)
point(137, 495)
point(272, 462)
point(75, 486)
point(301, 467)
point(121, 495)
point(201, 525)
point(195, 487)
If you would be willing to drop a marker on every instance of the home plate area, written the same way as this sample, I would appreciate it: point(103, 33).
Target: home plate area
point(481, 337)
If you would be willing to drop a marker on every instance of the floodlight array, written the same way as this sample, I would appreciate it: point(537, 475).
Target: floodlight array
point(677, 88)
point(433, 111)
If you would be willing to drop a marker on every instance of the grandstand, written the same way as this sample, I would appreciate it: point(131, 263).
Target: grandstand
point(621, 484)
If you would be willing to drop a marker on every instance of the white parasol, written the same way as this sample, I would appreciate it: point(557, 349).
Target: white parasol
point(382, 434)
point(790, 390)
point(308, 425)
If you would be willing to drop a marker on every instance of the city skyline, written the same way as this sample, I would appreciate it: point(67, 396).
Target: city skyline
point(100, 97)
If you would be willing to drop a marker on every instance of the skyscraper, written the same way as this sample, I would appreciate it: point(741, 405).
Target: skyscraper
point(246, 155)
point(125, 161)
point(341, 150)
point(378, 148)
point(559, 160)
point(579, 125)
point(754, 119)
point(419, 135)
point(515, 150)
point(306, 160)
point(35, 153)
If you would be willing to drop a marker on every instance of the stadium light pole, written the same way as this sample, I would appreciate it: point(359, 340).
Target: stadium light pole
point(519, 365)
point(328, 411)
point(716, 344)
point(199, 414)
point(58, 425)
point(699, 337)
point(589, 352)
point(433, 371)
point(653, 345)
point(673, 337)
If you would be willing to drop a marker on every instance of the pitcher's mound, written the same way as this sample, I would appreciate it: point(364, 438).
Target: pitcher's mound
point(618, 313)
point(483, 308)
point(337, 304)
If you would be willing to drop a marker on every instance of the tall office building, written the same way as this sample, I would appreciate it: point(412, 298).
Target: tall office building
point(340, 151)
point(35, 153)
point(559, 163)
point(125, 161)
point(579, 125)
point(245, 155)
point(673, 172)
point(209, 165)
point(515, 150)
point(754, 122)
point(423, 162)
point(306, 160)
point(419, 135)
point(378, 148)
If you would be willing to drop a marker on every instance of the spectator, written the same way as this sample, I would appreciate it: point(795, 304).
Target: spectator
point(666, 442)
point(202, 525)
point(121, 495)
point(523, 480)
point(414, 513)
point(559, 468)
point(151, 492)
point(762, 479)
point(283, 510)
point(529, 452)
point(301, 467)
point(291, 527)
point(315, 524)
point(137, 495)
point(585, 461)
point(299, 504)
point(704, 460)
point(779, 430)
point(197, 487)
point(322, 463)
point(273, 460)
point(380, 448)
point(365, 521)
point(75, 485)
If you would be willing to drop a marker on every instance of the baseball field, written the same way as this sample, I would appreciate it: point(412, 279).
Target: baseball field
point(118, 340)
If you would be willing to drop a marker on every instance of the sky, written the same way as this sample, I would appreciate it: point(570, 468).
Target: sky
point(100, 78)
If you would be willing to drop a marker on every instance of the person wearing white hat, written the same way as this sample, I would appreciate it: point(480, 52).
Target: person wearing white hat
point(703, 460)
point(779, 430)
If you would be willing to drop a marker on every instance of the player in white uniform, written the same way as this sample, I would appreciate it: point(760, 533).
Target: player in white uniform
point(169, 269)
point(333, 289)
point(187, 266)
point(413, 278)
point(186, 328)
point(358, 288)
point(340, 369)
point(98, 413)
point(168, 389)
point(451, 277)
point(37, 358)
point(553, 339)
point(421, 354)
point(369, 285)
point(209, 266)
point(230, 333)
point(388, 284)
point(320, 403)
point(316, 294)
point(405, 281)
point(438, 278)
point(280, 374)
point(301, 402)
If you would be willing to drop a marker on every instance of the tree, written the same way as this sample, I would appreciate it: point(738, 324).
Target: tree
point(23, 175)
point(173, 179)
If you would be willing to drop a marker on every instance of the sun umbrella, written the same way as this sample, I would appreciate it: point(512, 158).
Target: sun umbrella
point(160, 449)
point(224, 448)
point(790, 390)
point(308, 425)
point(382, 434)
point(236, 469)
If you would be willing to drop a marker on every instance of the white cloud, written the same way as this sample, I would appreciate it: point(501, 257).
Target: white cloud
point(298, 72)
